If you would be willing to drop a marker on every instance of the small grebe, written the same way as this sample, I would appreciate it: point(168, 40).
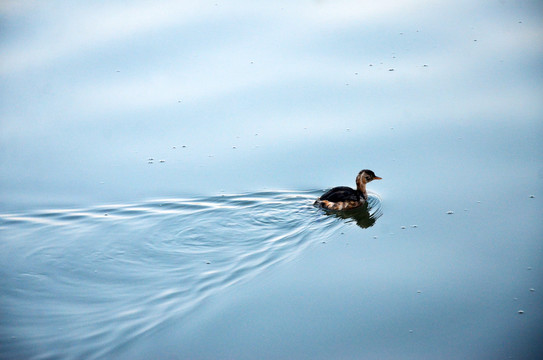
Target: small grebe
point(345, 198)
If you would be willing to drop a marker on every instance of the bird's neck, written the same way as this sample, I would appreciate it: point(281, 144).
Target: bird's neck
point(361, 187)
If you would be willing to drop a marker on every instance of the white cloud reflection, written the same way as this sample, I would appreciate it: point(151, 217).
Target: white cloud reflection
point(203, 52)
point(104, 79)
point(60, 29)
point(63, 29)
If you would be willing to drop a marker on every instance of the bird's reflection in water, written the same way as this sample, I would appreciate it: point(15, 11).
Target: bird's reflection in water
point(364, 216)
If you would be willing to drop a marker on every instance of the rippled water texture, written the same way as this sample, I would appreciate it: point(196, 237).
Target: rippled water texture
point(125, 102)
point(81, 283)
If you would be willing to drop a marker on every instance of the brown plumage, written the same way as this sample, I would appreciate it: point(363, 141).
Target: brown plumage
point(345, 198)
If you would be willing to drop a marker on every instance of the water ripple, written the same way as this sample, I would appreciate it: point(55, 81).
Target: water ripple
point(80, 283)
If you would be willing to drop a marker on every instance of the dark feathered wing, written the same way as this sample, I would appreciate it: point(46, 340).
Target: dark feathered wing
point(341, 193)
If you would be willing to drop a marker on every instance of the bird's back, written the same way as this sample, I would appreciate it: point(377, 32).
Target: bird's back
point(340, 194)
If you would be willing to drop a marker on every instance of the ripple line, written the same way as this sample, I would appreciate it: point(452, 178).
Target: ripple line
point(109, 274)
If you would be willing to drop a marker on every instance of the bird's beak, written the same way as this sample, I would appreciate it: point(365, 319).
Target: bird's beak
point(377, 178)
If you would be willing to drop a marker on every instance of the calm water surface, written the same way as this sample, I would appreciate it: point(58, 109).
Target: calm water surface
point(159, 161)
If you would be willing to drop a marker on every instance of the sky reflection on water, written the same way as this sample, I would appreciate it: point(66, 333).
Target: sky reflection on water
point(443, 100)
point(96, 89)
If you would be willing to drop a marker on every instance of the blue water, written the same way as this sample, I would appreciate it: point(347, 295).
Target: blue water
point(136, 267)
point(127, 129)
